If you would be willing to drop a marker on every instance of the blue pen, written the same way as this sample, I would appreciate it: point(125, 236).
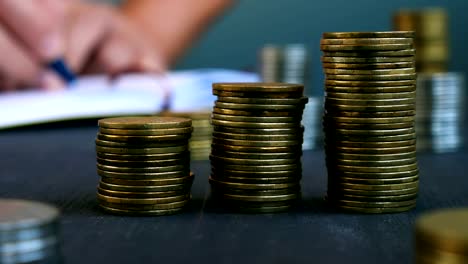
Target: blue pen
point(61, 68)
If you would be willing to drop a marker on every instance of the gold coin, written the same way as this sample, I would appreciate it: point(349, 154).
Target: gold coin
point(295, 174)
point(366, 66)
point(153, 122)
point(144, 163)
point(362, 198)
point(296, 148)
point(247, 155)
point(137, 207)
point(215, 190)
point(143, 139)
point(251, 143)
point(144, 175)
point(381, 34)
point(142, 201)
point(141, 212)
point(278, 108)
point(283, 167)
point(255, 113)
point(370, 89)
point(146, 132)
point(374, 175)
point(384, 210)
point(370, 132)
point(370, 108)
point(369, 72)
point(258, 94)
point(255, 198)
point(391, 53)
point(228, 178)
point(224, 160)
point(142, 151)
point(250, 186)
point(259, 87)
point(364, 138)
point(269, 101)
point(149, 182)
point(399, 168)
point(139, 194)
point(258, 119)
point(365, 47)
point(428, 255)
point(259, 131)
point(374, 181)
point(371, 163)
point(366, 60)
point(163, 188)
point(375, 157)
point(143, 169)
point(371, 77)
point(257, 137)
point(367, 144)
point(115, 144)
point(254, 125)
point(371, 120)
point(369, 102)
point(405, 113)
point(366, 83)
point(149, 157)
point(365, 41)
point(375, 150)
point(373, 187)
point(375, 204)
point(339, 191)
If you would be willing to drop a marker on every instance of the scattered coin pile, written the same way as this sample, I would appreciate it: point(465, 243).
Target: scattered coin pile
point(144, 164)
point(431, 40)
point(200, 142)
point(256, 149)
point(441, 237)
point(369, 120)
point(440, 112)
point(29, 232)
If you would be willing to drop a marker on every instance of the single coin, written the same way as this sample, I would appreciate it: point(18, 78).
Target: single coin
point(279, 108)
point(330, 137)
point(370, 89)
point(391, 53)
point(296, 174)
point(215, 190)
point(164, 144)
point(381, 34)
point(371, 77)
point(374, 204)
point(362, 198)
point(149, 182)
point(339, 190)
point(149, 157)
point(375, 175)
point(369, 72)
point(142, 151)
point(367, 144)
point(251, 143)
point(364, 41)
point(155, 206)
point(143, 139)
point(374, 187)
point(389, 132)
point(369, 83)
point(374, 181)
point(408, 167)
point(375, 157)
point(259, 94)
point(330, 124)
point(16, 214)
point(250, 186)
point(139, 194)
point(144, 175)
point(370, 96)
point(259, 87)
point(259, 131)
point(296, 148)
point(255, 113)
point(257, 137)
point(369, 102)
point(257, 119)
point(246, 100)
point(372, 163)
point(143, 163)
point(143, 169)
point(224, 160)
point(247, 155)
point(142, 201)
point(365, 66)
point(227, 178)
point(146, 132)
point(384, 210)
point(365, 47)
point(283, 167)
point(375, 150)
point(163, 188)
point(366, 60)
point(153, 122)
point(372, 120)
point(372, 114)
point(266, 198)
point(370, 108)
point(141, 212)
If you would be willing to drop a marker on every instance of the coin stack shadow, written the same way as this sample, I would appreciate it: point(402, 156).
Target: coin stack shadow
point(370, 140)
point(29, 232)
point(441, 237)
point(256, 146)
point(440, 112)
point(144, 164)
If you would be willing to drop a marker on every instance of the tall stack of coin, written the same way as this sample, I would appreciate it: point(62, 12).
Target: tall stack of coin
point(144, 164)
point(431, 41)
point(29, 232)
point(200, 142)
point(440, 112)
point(441, 237)
point(369, 119)
point(256, 150)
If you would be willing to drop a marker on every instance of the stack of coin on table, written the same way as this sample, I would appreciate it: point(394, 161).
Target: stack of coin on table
point(440, 112)
point(441, 237)
point(144, 164)
point(256, 149)
point(200, 142)
point(29, 232)
point(370, 145)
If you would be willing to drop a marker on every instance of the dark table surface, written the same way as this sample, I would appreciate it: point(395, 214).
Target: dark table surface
point(57, 165)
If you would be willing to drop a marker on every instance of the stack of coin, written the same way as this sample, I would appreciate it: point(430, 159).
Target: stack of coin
point(256, 149)
point(200, 142)
point(144, 164)
point(441, 237)
point(29, 232)
point(295, 69)
point(440, 112)
point(431, 41)
point(270, 63)
point(370, 86)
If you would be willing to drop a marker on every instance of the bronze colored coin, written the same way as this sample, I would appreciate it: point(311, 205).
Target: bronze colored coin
point(141, 212)
point(369, 72)
point(224, 160)
point(365, 41)
point(296, 148)
point(143, 139)
point(144, 169)
point(368, 83)
point(366, 60)
point(149, 182)
point(255, 113)
point(136, 207)
point(339, 191)
point(365, 169)
point(371, 77)
point(372, 120)
point(153, 122)
point(257, 119)
point(279, 108)
point(215, 190)
point(389, 132)
point(375, 150)
point(251, 143)
point(144, 163)
point(375, 204)
point(334, 137)
point(374, 187)
point(428, 255)
point(296, 174)
point(163, 188)
point(369, 102)
point(414, 178)
point(391, 53)
point(247, 155)
point(259, 131)
point(383, 210)
point(146, 132)
point(365, 47)
point(221, 93)
point(142, 201)
point(372, 163)
point(257, 137)
point(375, 157)
point(331, 124)
point(246, 100)
point(139, 194)
point(251, 186)
point(370, 108)
point(371, 96)
point(365, 66)
point(149, 157)
point(259, 168)
point(370, 89)
point(381, 34)
point(226, 178)
point(362, 198)
point(164, 144)
point(142, 151)
point(266, 198)
point(144, 175)
point(259, 87)
point(375, 175)
point(372, 114)
point(367, 144)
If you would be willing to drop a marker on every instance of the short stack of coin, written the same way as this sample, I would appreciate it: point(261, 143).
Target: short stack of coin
point(256, 148)
point(144, 164)
point(370, 139)
point(29, 232)
point(200, 142)
point(441, 237)
point(440, 112)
